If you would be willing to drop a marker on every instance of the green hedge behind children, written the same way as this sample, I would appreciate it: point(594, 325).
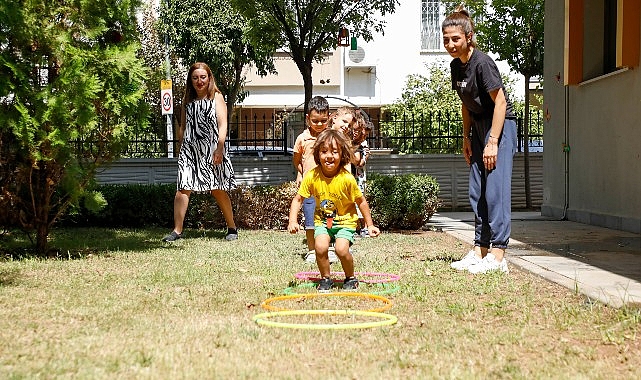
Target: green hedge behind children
point(397, 202)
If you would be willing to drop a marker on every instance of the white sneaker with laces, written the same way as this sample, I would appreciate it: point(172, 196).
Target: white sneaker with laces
point(489, 264)
point(310, 257)
point(470, 259)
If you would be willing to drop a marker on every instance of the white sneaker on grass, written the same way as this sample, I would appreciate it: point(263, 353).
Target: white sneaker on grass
point(310, 257)
point(470, 259)
point(489, 264)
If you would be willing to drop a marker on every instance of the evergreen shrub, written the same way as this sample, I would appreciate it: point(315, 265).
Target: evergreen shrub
point(404, 202)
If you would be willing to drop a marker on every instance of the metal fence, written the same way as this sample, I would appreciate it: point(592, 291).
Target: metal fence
point(442, 132)
point(432, 133)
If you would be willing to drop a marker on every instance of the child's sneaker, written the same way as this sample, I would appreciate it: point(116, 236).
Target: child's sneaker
point(489, 264)
point(310, 256)
point(470, 259)
point(350, 284)
point(325, 285)
point(364, 233)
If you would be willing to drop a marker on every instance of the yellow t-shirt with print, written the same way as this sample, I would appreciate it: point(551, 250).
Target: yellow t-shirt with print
point(335, 197)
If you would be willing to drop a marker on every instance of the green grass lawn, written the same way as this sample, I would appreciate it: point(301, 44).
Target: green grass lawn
point(122, 304)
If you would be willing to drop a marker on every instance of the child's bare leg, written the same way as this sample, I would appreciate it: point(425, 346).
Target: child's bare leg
point(322, 257)
point(309, 236)
point(347, 260)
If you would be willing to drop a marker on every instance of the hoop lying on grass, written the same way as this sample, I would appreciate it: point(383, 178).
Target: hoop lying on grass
point(379, 288)
point(379, 277)
point(387, 304)
point(386, 319)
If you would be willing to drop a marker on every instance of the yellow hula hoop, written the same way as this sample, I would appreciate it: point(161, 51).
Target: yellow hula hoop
point(387, 304)
point(386, 319)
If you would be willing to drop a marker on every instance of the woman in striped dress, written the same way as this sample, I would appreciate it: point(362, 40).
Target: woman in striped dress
point(203, 163)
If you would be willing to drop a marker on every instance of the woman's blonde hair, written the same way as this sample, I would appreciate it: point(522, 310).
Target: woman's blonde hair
point(190, 91)
point(327, 137)
point(460, 18)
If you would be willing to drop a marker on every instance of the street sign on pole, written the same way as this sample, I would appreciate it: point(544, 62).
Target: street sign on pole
point(166, 98)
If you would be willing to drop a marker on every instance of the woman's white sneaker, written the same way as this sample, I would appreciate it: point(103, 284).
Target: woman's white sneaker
point(470, 259)
point(489, 264)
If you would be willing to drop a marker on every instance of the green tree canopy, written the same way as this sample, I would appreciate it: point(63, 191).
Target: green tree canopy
point(428, 93)
point(212, 31)
point(427, 106)
point(70, 85)
point(428, 110)
point(307, 29)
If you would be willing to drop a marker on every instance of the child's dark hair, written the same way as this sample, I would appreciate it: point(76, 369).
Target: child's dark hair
point(461, 18)
point(318, 104)
point(326, 138)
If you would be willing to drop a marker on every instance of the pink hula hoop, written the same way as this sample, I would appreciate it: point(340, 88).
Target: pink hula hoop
point(381, 277)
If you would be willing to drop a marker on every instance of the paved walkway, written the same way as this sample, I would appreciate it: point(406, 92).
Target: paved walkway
point(601, 263)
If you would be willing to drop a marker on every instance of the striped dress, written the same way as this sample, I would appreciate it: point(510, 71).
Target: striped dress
point(196, 169)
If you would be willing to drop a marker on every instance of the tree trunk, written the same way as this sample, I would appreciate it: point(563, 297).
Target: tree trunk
point(42, 238)
point(526, 137)
point(41, 198)
point(306, 72)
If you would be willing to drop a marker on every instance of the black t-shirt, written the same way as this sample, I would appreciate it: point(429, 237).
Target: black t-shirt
point(474, 80)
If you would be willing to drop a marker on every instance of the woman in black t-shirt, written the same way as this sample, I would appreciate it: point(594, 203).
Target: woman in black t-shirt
point(489, 131)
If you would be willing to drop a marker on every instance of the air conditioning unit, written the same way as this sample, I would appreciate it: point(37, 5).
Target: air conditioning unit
point(358, 58)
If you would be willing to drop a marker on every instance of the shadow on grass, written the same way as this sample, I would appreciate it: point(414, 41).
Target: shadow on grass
point(9, 276)
point(78, 243)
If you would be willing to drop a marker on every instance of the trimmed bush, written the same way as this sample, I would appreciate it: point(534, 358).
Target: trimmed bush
point(397, 202)
point(402, 202)
point(255, 207)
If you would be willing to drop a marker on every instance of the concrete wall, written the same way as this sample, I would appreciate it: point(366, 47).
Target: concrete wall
point(450, 171)
point(598, 180)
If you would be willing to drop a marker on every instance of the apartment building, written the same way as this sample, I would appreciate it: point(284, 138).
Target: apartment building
point(370, 76)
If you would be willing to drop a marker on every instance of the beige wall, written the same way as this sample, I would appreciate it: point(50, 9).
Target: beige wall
point(602, 171)
point(289, 75)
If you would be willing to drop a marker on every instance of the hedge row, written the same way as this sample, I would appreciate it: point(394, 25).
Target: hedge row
point(397, 202)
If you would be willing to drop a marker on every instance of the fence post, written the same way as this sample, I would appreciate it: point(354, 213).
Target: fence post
point(519, 134)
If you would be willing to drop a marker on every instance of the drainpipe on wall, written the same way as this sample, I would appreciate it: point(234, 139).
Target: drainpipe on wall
point(566, 151)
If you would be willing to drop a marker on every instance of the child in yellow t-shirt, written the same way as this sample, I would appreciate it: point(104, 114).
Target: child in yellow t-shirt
point(335, 214)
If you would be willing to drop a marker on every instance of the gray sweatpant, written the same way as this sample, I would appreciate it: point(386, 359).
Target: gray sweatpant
point(491, 190)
